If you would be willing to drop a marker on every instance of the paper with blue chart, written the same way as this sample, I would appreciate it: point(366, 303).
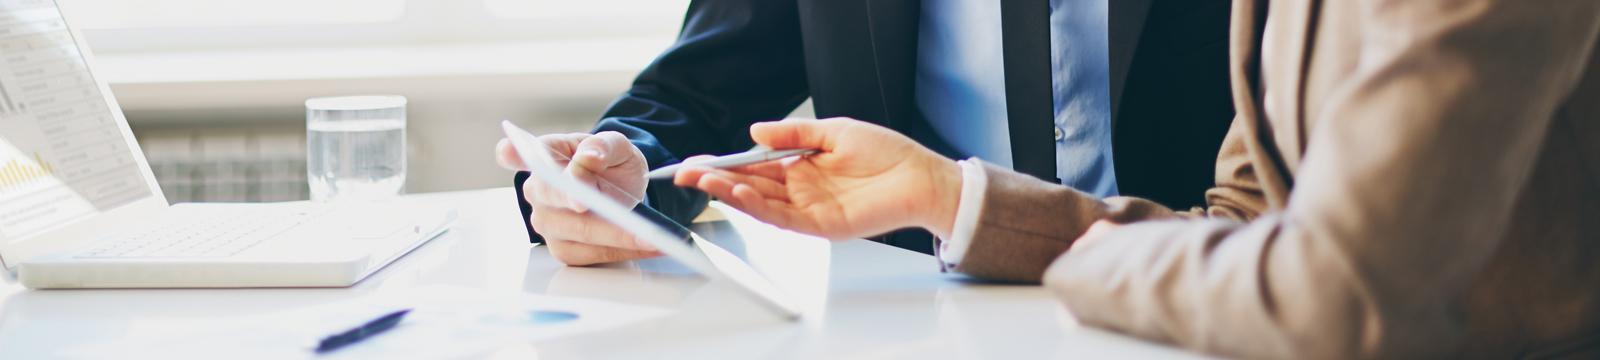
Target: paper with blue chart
point(447, 322)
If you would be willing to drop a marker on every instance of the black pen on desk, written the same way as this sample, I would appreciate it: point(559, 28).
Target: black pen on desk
point(362, 332)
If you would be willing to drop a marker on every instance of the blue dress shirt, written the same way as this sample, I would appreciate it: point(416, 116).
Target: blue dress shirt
point(961, 85)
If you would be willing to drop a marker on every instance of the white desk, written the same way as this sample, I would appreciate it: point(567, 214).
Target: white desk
point(863, 300)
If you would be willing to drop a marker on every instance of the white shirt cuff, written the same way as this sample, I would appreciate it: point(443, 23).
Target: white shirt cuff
point(973, 183)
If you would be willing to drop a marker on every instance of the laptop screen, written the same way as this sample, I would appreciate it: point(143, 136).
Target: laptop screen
point(63, 156)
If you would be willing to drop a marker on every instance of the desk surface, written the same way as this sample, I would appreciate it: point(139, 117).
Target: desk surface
point(863, 300)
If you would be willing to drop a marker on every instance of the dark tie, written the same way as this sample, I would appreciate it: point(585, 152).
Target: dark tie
point(1025, 36)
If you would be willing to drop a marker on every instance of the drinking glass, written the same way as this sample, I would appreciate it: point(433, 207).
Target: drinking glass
point(356, 147)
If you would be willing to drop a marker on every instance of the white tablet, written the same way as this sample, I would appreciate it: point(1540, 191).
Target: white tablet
point(666, 235)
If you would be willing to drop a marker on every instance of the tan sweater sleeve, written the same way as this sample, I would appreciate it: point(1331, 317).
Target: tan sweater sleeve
point(1406, 188)
point(1024, 224)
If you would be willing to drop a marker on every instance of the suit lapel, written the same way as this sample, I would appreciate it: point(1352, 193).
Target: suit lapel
point(840, 70)
point(1244, 58)
point(893, 31)
point(1126, 23)
point(861, 59)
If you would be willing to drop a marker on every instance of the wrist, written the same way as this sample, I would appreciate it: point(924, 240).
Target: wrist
point(945, 193)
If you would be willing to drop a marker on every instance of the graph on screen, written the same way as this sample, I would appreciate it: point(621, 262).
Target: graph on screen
point(21, 171)
point(63, 156)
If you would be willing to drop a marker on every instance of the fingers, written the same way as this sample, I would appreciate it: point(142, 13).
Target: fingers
point(772, 210)
point(688, 178)
point(728, 192)
point(610, 163)
point(799, 133)
point(603, 150)
point(611, 187)
point(582, 175)
point(773, 169)
point(538, 194)
point(776, 210)
point(580, 238)
point(507, 157)
point(722, 182)
point(690, 175)
point(563, 224)
point(698, 158)
point(563, 144)
point(580, 254)
point(606, 161)
point(744, 197)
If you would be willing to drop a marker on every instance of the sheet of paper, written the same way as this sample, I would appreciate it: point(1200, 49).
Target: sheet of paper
point(446, 322)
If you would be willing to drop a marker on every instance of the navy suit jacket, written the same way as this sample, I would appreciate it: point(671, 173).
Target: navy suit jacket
point(737, 62)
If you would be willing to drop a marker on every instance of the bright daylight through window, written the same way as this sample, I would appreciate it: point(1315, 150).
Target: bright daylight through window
point(546, 9)
point(145, 14)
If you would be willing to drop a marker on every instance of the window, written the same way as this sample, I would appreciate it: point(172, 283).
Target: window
point(549, 9)
point(147, 14)
point(141, 26)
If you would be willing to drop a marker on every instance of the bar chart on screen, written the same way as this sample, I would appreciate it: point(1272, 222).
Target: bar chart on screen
point(20, 171)
point(32, 198)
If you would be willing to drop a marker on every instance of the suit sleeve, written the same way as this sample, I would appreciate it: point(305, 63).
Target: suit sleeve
point(735, 62)
point(1405, 190)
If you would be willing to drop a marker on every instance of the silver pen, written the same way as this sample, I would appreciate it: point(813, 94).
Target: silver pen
point(756, 155)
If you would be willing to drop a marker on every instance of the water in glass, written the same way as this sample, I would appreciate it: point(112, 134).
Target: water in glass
point(356, 159)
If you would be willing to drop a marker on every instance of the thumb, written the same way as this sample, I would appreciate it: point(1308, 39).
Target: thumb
point(507, 156)
point(799, 133)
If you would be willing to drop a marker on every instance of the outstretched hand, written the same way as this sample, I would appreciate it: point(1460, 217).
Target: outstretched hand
point(866, 180)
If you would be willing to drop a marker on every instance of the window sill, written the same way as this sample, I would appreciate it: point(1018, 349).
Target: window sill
point(286, 77)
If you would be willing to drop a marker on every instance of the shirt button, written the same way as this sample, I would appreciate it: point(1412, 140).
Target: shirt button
point(1059, 135)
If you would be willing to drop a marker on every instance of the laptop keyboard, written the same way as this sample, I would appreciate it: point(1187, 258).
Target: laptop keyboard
point(217, 234)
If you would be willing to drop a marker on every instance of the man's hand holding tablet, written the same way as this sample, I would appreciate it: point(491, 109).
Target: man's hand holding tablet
point(645, 224)
point(575, 236)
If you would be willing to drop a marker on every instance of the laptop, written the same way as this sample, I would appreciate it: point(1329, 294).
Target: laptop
point(666, 235)
point(80, 208)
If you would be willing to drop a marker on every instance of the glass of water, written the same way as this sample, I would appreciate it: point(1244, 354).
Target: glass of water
point(356, 147)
